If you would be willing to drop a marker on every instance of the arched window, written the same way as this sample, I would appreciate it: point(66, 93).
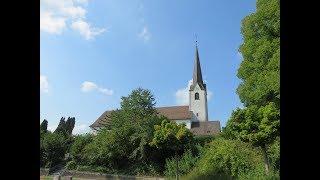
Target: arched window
point(196, 96)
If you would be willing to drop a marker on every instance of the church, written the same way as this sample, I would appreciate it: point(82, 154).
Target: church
point(194, 116)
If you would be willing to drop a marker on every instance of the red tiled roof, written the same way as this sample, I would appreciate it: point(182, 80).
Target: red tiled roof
point(171, 112)
point(205, 128)
point(175, 112)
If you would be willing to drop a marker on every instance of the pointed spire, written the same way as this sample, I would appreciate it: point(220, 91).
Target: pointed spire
point(197, 75)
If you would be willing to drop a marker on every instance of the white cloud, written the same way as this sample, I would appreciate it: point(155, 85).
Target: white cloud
point(81, 129)
point(209, 95)
point(86, 30)
point(106, 91)
point(88, 86)
point(56, 15)
point(44, 84)
point(78, 129)
point(52, 127)
point(145, 34)
point(182, 95)
point(51, 24)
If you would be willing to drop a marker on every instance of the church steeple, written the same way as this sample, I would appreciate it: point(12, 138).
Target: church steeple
point(197, 75)
point(198, 93)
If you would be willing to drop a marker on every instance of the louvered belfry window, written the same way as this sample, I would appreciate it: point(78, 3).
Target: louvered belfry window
point(196, 96)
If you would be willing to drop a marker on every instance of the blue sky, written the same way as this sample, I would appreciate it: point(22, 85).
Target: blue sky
point(93, 52)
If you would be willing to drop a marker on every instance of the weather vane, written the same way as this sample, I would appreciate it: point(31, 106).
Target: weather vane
point(196, 39)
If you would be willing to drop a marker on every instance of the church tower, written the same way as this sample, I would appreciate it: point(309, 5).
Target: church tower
point(198, 93)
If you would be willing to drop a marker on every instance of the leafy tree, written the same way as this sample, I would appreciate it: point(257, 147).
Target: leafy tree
point(124, 142)
point(77, 147)
point(257, 125)
point(44, 126)
point(54, 148)
point(139, 104)
point(138, 114)
point(173, 137)
point(260, 68)
point(69, 125)
point(65, 127)
point(61, 126)
point(259, 91)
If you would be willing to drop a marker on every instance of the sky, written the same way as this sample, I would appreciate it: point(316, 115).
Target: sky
point(93, 52)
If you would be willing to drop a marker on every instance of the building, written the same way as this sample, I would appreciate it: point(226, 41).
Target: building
point(194, 116)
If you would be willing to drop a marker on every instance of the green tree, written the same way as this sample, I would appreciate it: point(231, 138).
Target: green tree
point(69, 125)
point(124, 142)
point(54, 149)
point(257, 125)
point(44, 126)
point(259, 121)
point(173, 137)
point(61, 126)
point(66, 127)
point(77, 147)
point(260, 68)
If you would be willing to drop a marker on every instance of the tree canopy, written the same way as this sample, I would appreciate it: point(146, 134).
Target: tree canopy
point(259, 121)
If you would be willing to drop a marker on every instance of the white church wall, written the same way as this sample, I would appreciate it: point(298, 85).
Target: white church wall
point(187, 122)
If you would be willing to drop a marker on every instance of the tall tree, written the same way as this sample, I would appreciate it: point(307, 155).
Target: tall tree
point(69, 125)
point(260, 68)
point(259, 121)
point(44, 126)
point(61, 126)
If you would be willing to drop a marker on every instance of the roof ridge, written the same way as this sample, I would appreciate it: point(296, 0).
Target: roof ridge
point(171, 106)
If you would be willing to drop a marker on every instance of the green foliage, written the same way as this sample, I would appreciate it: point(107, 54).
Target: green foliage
point(138, 105)
point(258, 125)
point(172, 136)
point(65, 127)
point(227, 158)
point(274, 154)
point(53, 147)
point(123, 145)
point(71, 165)
point(44, 126)
point(186, 163)
point(203, 140)
point(77, 147)
point(260, 68)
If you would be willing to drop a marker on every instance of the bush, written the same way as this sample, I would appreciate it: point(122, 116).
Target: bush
point(274, 154)
point(227, 159)
point(77, 148)
point(71, 165)
point(186, 163)
point(203, 140)
point(54, 148)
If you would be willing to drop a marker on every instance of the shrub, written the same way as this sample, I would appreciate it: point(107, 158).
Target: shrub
point(227, 159)
point(186, 163)
point(71, 165)
point(274, 154)
point(77, 148)
point(54, 149)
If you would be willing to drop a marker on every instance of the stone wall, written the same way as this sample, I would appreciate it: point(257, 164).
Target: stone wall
point(99, 176)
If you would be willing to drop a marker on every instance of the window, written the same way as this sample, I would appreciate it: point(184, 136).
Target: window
point(196, 96)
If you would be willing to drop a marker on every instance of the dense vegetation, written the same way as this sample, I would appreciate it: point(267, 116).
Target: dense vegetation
point(137, 141)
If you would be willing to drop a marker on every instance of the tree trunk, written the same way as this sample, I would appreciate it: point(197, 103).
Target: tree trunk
point(266, 159)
